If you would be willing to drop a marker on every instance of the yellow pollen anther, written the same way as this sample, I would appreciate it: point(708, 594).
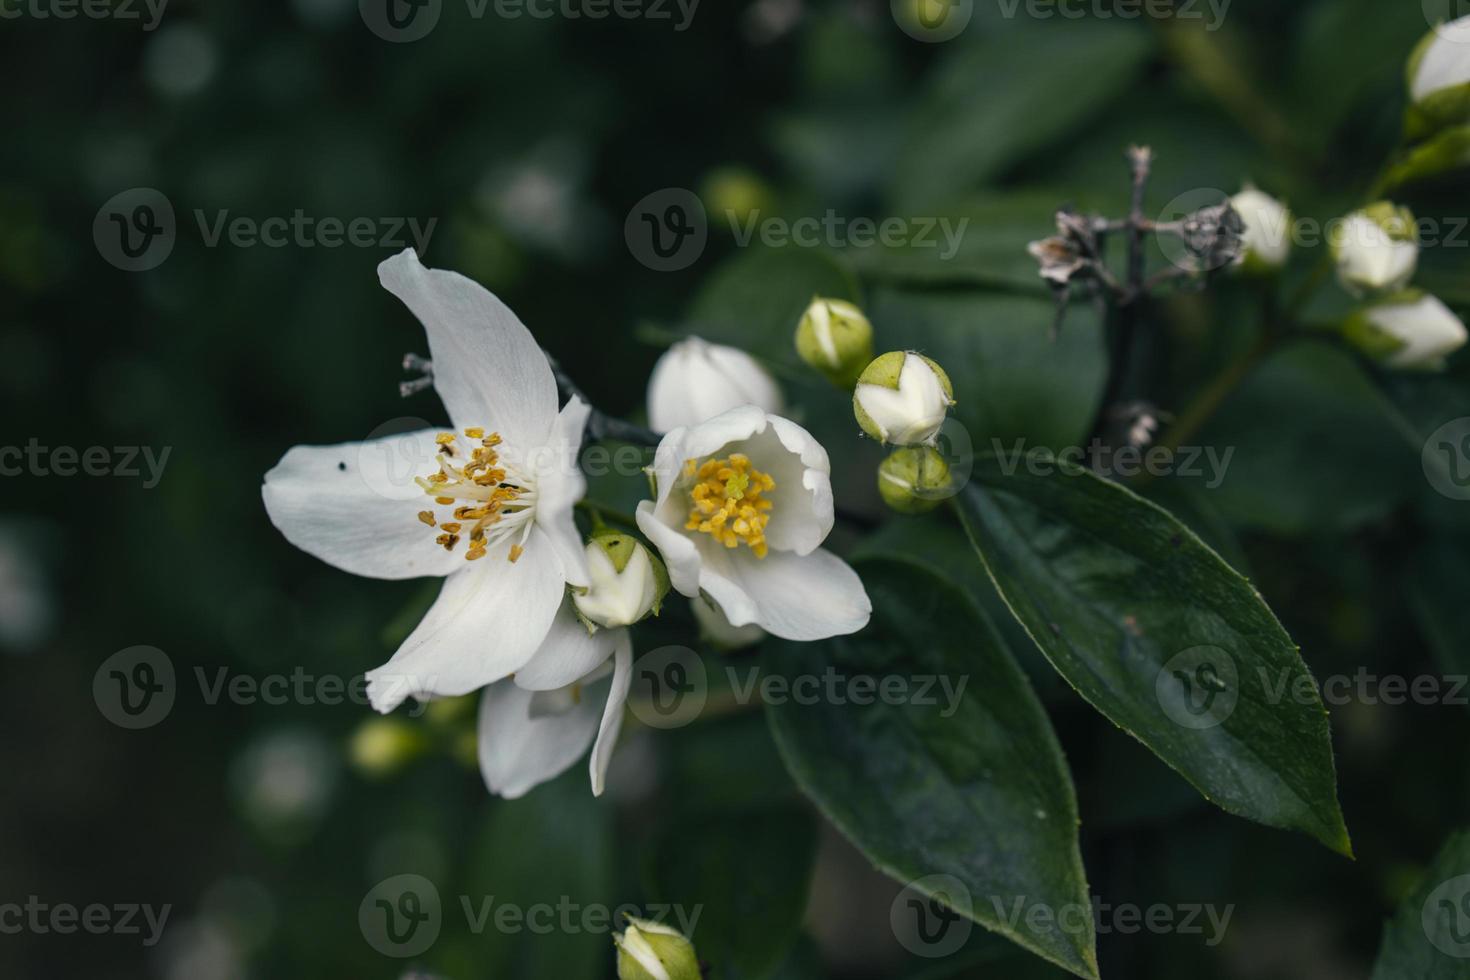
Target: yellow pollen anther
point(482, 491)
point(727, 502)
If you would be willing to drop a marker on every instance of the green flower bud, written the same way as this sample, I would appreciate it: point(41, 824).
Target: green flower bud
point(654, 951)
point(835, 338)
point(382, 746)
point(1376, 249)
point(1410, 331)
point(734, 193)
point(627, 581)
point(902, 398)
point(1439, 80)
point(914, 480)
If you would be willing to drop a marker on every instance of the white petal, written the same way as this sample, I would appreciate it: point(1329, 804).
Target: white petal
point(560, 483)
point(489, 620)
point(355, 506)
point(488, 369)
point(797, 597)
point(612, 713)
point(680, 556)
point(568, 653)
point(800, 521)
point(1446, 63)
point(519, 751)
point(695, 380)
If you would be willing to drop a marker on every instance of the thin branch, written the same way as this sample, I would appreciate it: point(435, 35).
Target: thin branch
point(600, 425)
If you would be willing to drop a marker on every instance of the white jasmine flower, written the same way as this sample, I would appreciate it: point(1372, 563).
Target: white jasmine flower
point(695, 380)
point(1267, 236)
point(744, 502)
point(571, 696)
point(902, 398)
point(1376, 249)
point(488, 506)
point(1412, 331)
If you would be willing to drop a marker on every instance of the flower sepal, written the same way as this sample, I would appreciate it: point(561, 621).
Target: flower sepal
point(628, 582)
point(653, 951)
point(902, 399)
point(835, 337)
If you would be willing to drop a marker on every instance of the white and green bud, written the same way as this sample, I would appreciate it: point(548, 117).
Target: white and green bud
point(1439, 79)
point(627, 581)
point(1410, 331)
point(382, 746)
point(914, 480)
point(653, 951)
point(835, 338)
point(902, 398)
point(1266, 240)
point(715, 627)
point(695, 380)
point(1376, 249)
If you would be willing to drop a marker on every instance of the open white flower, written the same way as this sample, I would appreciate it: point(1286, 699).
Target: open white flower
point(695, 380)
point(496, 495)
point(571, 696)
point(744, 502)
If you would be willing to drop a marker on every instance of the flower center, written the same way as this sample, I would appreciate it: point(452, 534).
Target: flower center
point(728, 501)
point(492, 500)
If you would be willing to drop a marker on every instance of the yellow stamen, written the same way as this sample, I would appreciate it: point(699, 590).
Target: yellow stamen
point(479, 490)
point(727, 502)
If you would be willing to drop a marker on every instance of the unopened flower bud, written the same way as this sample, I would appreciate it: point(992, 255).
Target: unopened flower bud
point(914, 480)
point(1267, 235)
point(382, 746)
point(1439, 79)
point(1376, 249)
point(653, 951)
point(695, 380)
point(717, 629)
point(835, 338)
point(902, 398)
point(627, 581)
point(1412, 331)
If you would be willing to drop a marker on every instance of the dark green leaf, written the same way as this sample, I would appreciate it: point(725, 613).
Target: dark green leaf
point(745, 872)
point(1007, 94)
point(1011, 380)
point(551, 845)
point(1428, 938)
point(1161, 636)
point(962, 782)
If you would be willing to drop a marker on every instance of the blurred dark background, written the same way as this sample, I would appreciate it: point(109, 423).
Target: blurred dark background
point(527, 141)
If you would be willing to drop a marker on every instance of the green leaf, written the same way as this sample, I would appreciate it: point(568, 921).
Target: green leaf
point(1438, 582)
point(551, 845)
point(1011, 380)
point(1428, 938)
point(1007, 95)
point(1312, 449)
point(745, 872)
point(969, 784)
point(755, 300)
point(990, 232)
point(1161, 636)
